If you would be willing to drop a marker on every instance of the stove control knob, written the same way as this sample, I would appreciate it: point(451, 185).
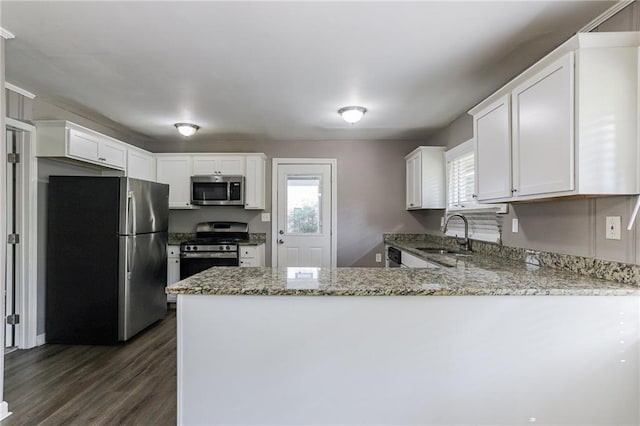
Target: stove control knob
point(221, 248)
point(227, 248)
point(195, 248)
point(187, 248)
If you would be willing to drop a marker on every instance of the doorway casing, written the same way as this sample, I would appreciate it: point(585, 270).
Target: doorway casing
point(27, 286)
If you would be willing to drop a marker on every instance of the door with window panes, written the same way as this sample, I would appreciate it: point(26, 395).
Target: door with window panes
point(304, 215)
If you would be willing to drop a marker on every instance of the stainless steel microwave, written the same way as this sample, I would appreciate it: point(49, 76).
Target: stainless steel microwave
point(217, 190)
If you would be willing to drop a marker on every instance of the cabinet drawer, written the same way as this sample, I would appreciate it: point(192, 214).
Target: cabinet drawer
point(248, 263)
point(173, 251)
point(248, 252)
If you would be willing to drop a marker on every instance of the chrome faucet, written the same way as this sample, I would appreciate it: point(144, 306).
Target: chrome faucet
point(465, 243)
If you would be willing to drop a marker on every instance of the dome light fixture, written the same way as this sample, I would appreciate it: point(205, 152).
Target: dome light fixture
point(352, 114)
point(187, 129)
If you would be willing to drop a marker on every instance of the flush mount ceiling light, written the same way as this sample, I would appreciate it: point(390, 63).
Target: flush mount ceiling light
point(187, 129)
point(352, 114)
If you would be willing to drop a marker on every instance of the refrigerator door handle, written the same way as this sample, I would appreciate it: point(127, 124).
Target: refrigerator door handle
point(131, 201)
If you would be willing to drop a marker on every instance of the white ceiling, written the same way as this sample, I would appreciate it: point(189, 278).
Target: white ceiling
point(280, 70)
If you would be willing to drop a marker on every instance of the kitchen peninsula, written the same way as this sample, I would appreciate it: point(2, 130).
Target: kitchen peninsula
point(375, 346)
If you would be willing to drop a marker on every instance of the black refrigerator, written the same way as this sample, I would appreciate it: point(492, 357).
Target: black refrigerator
point(106, 258)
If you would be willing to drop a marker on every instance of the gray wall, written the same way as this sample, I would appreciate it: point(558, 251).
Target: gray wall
point(371, 192)
point(569, 226)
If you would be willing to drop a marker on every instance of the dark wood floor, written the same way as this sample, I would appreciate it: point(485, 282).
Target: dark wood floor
point(129, 384)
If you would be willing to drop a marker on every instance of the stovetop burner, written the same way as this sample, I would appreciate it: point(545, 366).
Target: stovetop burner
point(216, 237)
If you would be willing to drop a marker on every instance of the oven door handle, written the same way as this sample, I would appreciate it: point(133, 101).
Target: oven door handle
point(209, 255)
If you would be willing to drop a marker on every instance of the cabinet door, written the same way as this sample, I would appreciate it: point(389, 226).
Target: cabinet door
point(414, 180)
point(112, 153)
point(231, 165)
point(254, 182)
point(173, 270)
point(218, 165)
point(543, 120)
point(205, 165)
point(83, 146)
point(176, 171)
point(140, 165)
point(493, 151)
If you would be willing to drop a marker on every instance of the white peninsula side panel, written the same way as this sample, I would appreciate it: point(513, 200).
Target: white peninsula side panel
point(300, 360)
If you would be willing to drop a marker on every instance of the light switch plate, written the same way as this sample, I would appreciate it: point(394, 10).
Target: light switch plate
point(378, 257)
point(266, 217)
point(514, 225)
point(613, 228)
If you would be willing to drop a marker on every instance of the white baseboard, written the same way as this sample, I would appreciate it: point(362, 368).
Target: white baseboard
point(4, 410)
point(40, 339)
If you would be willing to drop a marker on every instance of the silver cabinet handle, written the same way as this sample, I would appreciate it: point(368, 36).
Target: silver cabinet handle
point(281, 232)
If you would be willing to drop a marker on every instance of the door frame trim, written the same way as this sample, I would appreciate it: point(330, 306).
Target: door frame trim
point(333, 163)
point(27, 289)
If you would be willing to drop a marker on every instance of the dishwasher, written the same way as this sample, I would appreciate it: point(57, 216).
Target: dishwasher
point(394, 256)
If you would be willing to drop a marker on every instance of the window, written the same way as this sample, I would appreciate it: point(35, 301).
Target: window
point(303, 204)
point(461, 177)
point(483, 220)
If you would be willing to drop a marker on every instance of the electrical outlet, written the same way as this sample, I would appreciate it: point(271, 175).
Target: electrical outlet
point(514, 225)
point(613, 228)
point(378, 257)
point(266, 217)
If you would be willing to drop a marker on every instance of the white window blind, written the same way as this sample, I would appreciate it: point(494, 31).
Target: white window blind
point(461, 182)
point(483, 221)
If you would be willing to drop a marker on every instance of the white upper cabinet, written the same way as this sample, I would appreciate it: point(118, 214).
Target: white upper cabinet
point(566, 126)
point(543, 142)
point(425, 184)
point(218, 165)
point(254, 190)
point(493, 150)
point(65, 140)
point(141, 165)
point(175, 170)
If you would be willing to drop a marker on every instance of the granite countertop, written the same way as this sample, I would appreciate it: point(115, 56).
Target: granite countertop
point(474, 275)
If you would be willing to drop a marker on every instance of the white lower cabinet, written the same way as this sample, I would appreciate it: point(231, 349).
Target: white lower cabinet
point(173, 268)
point(410, 261)
point(251, 256)
point(566, 126)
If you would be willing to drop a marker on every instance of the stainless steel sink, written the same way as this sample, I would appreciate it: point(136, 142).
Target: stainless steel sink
point(442, 250)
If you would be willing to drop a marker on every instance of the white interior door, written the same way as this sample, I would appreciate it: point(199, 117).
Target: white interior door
point(304, 215)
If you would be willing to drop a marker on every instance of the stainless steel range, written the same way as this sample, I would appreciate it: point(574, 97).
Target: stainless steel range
point(216, 244)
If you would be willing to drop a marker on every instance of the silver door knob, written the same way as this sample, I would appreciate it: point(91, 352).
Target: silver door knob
point(280, 241)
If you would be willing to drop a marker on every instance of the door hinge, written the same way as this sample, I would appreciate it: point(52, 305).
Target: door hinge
point(13, 158)
point(13, 319)
point(13, 238)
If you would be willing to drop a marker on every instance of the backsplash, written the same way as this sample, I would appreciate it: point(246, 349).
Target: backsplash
point(604, 269)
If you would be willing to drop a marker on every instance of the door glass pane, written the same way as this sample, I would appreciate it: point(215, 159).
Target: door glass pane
point(303, 204)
